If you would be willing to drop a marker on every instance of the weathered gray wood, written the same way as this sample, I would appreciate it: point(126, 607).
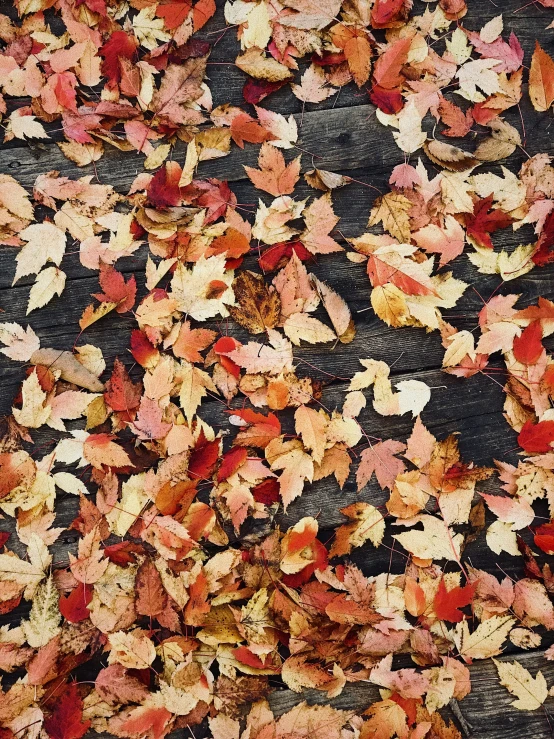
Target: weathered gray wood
point(487, 708)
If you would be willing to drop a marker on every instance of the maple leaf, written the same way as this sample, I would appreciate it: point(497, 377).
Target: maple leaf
point(261, 429)
point(120, 45)
point(116, 290)
point(121, 394)
point(66, 721)
point(447, 602)
point(544, 253)
point(358, 55)
point(459, 122)
point(380, 459)
point(203, 291)
point(366, 524)
point(313, 86)
point(297, 467)
point(254, 63)
point(116, 686)
point(392, 211)
point(447, 240)
point(90, 564)
point(386, 72)
point(528, 346)
point(320, 220)
point(486, 640)
point(436, 541)
point(391, 264)
point(73, 607)
point(45, 242)
point(259, 306)
point(481, 223)
point(273, 358)
point(531, 692)
point(537, 438)
point(311, 425)
point(147, 720)
point(181, 84)
point(16, 469)
point(100, 450)
point(151, 596)
point(34, 411)
point(191, 341)
point(312, 722)
point(274, 176)
point(49, 282)
point(245, 128)
point(311, 14)
point(20, 344)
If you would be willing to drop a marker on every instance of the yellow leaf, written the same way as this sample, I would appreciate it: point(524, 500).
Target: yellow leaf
point(392, 211)
point(203, 291)
point(302, 327)
point(367, 523)
point(486, 640)
point(50, 282)
point(133, 650)
point(33, 413)
point(531, 692)
point(436, 541)
point(254, 63)
point(45, 616)
point(297, 466)
point(311, 425)
point(194, 387)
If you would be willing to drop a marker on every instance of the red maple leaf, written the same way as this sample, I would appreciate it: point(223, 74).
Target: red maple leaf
point(267, 491)
point(544, 537)
point(537, 437)
point(147, 721)
point(123, 553)
point(66, 721)
point(387, 13)
point(279, 254)
point(121, 394)
point(389, 101)
point(120, 45)
point(143, 351)
point(73, 607)
point(202, 12)
point(116, 290)
point(173, 13)
point(447, 602)
point(230, 463)
point(528, 347)
point(97, 6)
point(245, 128)
point(164, 190)
point(203, 458)
point(256, 90)
point(480, 224)
point(216, 197)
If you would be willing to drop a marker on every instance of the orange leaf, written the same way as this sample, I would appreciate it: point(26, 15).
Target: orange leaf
point(274, 176)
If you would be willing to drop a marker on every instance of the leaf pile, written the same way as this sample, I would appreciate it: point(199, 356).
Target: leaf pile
point(186, 597)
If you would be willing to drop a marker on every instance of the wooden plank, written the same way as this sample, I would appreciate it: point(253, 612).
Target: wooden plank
point(341, 138)
point(487, 708)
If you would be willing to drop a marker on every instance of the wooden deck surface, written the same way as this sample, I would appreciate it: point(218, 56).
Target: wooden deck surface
point(343, 135)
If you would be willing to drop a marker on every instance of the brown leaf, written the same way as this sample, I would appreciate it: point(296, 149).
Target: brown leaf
point(259, 306)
